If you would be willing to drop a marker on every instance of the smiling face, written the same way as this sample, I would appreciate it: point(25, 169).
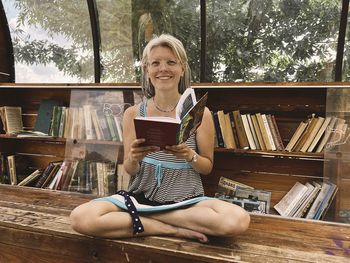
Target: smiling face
point(164, 68)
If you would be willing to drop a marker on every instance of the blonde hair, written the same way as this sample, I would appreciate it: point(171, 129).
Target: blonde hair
point(178, 49)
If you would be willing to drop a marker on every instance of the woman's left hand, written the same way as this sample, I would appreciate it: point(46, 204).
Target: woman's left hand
point(181, 151)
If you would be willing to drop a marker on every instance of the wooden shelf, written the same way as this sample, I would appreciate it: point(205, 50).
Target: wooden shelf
point(283, 154)
point(59, 140)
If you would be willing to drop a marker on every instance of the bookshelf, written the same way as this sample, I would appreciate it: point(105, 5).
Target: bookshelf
point(275, 171)
point(89, 162)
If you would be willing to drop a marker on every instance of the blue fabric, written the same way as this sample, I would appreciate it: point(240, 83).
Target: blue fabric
point(163, 164)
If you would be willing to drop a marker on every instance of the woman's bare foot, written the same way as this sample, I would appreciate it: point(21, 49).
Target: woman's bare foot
point(186, 233)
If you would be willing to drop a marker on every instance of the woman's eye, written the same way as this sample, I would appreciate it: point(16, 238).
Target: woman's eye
point(155, 63)
point(171, 63)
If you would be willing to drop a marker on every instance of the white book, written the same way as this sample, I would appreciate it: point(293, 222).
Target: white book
point(308, 201)
point(335, 126)
point(291, 199)
point(302, 201)
point(248, 132)
point(119, 128)
point(296, 136)
point(319, 134)
point(316, 204)
point(89, 132)
point(312, 134)
point(268, 131)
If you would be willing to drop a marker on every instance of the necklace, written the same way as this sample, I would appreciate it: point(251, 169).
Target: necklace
point(158, 108)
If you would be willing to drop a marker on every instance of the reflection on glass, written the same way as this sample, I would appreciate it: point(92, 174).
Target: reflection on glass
point(337, 151)
point(272, 40)
point(94, 135)
point(52, 40)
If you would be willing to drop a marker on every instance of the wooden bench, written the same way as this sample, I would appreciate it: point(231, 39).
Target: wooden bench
point(34, 227)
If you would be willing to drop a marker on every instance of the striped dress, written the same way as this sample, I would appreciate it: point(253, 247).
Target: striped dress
point(163, 178)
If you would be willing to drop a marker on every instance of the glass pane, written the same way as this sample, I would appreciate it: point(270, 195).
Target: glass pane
point(116, 41)
point(272, 40)
point(179, 18)
point(346, 64)
point(52, 40)
point(337, 161)
point(93, 128)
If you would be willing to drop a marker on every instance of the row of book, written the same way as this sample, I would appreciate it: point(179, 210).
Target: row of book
point(311, 200)
point(252, 200)
point(92, 177)
point(247, 131)
point(259, 131)
point(86, 122)
point(313, 134)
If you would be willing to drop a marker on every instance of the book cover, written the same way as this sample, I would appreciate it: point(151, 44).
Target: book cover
point(327, 134)
point(12, 119)
point(318, 200)
point(314, 130)
point(296, 136)
point(300, 143)
point(44, 117)
point(163, 131)
point(286, 205)
point(30, 178)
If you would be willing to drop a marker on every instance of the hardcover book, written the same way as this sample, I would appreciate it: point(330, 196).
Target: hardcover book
point(163, 131)
point(44, 117)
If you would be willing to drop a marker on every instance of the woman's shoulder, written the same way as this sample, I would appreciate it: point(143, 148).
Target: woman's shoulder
point(132, 111)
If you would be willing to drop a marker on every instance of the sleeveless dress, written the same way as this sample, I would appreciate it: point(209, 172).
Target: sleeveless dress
point(163, 182)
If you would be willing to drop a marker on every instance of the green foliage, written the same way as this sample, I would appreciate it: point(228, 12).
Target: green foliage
point(255, 40)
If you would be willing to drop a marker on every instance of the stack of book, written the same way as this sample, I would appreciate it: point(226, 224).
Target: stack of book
point(245, 196)
point(311, 200)
point(316, 133)
point(247, 131)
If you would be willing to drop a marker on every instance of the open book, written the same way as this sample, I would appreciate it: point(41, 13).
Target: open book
point(163, 131)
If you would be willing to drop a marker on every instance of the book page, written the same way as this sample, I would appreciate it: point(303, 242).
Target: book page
point(186, 102)
point(13, 118)
point(191, 121)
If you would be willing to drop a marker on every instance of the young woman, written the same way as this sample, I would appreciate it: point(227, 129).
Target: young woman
point(163, 177)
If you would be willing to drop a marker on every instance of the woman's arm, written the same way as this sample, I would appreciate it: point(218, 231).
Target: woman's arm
point(205, 144)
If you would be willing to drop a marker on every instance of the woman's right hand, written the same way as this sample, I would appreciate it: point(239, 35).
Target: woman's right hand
point(137, 152)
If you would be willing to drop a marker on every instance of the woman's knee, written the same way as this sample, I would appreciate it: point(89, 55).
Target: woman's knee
point(235, 222)
point(82, 218)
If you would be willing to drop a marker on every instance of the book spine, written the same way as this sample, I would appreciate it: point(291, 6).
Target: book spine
point(242, 137)
point(278, 134)
point(218, 130)
point(45, 174)
point(248, 132)
point(263, 131)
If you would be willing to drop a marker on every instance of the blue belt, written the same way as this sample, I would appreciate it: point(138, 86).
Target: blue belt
point(163, 164)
